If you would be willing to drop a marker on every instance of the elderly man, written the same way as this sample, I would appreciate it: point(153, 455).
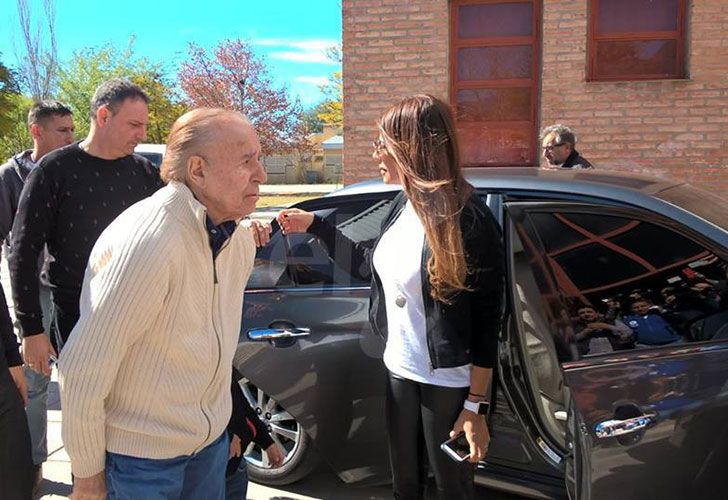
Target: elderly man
point(559, 143)
point(145, 375)
point(50, 124)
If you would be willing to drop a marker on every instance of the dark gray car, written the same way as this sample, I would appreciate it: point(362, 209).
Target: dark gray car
point(612, 377)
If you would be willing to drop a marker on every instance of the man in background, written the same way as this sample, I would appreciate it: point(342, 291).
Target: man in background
point(51, 126)
point(559, 148)
point(67, 201)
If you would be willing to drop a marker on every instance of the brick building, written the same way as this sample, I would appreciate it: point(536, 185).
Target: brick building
point(644, 83)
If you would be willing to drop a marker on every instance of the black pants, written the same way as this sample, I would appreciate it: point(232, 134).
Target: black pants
point(16, 462)
point(64, 319)
point(419, 419)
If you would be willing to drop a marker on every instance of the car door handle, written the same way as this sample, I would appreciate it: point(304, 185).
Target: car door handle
point(264, 334)
point(615, 427)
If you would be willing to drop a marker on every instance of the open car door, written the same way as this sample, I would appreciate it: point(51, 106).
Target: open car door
point(618, 351)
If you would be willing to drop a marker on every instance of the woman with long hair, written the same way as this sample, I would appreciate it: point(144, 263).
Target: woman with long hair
point(436, 275)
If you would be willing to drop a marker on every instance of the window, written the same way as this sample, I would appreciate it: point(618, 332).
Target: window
point(627, 283)
point(302, 260)
point(637, 39)
point(494, 80)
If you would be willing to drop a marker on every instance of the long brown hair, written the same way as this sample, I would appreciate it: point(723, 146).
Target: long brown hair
point(419, 135)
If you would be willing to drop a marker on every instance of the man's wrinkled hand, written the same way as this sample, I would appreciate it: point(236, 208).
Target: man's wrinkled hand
point(259, 230)
point(89, 488)
point(16, 372)
point(476, 433)
point(37, 352)
point(275, 455)
point(235, 447)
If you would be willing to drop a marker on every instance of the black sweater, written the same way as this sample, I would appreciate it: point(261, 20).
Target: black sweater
point(67, 201)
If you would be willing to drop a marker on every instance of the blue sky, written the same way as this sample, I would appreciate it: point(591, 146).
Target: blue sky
point(291, 34)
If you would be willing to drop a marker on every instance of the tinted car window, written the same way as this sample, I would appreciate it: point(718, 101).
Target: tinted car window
point(628, 283)
point(302, 260)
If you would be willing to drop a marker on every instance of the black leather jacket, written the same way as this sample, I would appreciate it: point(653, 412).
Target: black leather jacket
point(459, 333)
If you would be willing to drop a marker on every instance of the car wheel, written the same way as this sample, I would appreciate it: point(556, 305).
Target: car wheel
point(300, 456)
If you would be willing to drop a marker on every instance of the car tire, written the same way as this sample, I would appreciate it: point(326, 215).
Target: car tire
point(301, 457)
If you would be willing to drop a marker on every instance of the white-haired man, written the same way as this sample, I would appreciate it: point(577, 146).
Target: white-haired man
point(145, 375)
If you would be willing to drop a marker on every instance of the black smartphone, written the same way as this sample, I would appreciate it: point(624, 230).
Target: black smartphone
point(457, 448)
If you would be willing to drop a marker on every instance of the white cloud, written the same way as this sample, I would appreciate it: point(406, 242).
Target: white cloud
point(307, 56)
point(300, 51)
point(312, 80)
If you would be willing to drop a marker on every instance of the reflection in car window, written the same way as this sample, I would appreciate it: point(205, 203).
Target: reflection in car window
point(631, 284)
point(302, 260)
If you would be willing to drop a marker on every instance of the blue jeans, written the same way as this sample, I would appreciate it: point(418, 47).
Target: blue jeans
point(236, 484)
point(193, 477)
point(37, 409)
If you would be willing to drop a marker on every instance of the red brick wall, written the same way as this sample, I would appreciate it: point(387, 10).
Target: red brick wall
point(391, 49)
point(678, 127)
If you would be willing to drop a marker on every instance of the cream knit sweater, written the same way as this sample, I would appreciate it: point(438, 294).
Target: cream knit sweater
point(146, 371)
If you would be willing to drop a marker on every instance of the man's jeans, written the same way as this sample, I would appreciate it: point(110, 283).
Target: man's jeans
point(188, 477)
point(38, 392)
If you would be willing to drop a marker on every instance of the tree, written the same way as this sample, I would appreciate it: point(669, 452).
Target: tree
point(332, 112)
point(8, 91)
point(17, 137)
point(89, 67)
point(311, 119)
point(39, 62)
point(234, 77)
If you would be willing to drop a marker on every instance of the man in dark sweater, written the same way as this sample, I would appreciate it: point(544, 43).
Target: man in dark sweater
point(50, 124)
point(67, 201)
point(559, 148)
point(16, 464)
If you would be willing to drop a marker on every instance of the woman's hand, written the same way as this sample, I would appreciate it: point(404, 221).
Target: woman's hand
point(275, 455)
point(293, 220)
point(476, 433)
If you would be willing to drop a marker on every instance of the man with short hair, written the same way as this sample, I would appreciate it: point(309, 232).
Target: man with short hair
point(67, 201)
point(145, 376)
point(51, 126)
point(559, 147)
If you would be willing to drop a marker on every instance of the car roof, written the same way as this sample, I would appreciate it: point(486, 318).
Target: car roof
point(630, 188)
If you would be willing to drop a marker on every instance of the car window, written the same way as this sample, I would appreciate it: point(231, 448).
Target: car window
point(302, 260)
point(628, 283)
point(155, 158)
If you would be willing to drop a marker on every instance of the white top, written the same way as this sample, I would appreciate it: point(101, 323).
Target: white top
point(398, 262)
point(146, 370)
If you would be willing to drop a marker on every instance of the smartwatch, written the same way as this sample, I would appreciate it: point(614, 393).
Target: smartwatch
point(479, 407)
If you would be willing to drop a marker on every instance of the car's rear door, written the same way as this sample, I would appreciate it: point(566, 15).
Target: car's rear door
point(645, 398)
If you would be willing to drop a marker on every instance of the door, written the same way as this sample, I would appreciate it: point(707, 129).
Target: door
point(636, 307)
point(494, 80)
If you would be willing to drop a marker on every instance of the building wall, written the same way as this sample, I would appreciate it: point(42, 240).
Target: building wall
point(391, 49)
point(673, 127)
